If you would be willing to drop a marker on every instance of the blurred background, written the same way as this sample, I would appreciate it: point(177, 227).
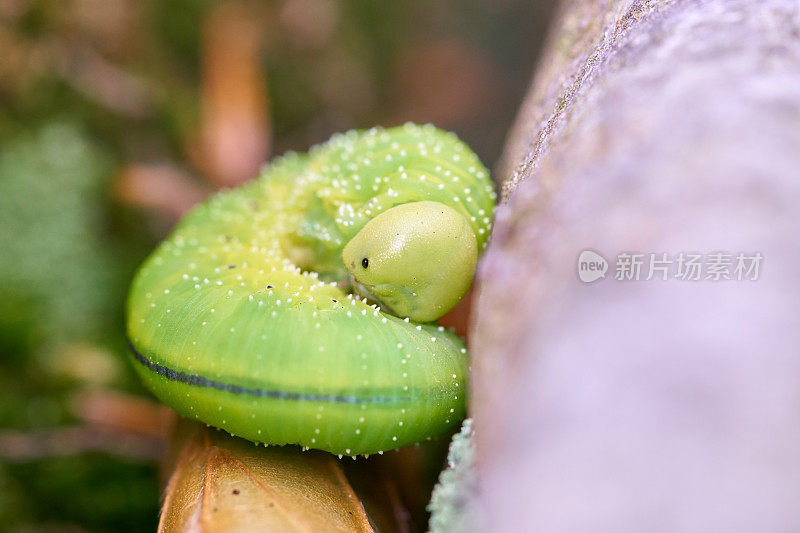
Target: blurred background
point(116, 116)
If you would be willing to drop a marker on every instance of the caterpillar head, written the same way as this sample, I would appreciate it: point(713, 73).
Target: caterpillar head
point(416, 260)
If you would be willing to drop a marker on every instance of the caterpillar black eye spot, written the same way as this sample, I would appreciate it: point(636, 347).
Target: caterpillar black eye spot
point(365, 262)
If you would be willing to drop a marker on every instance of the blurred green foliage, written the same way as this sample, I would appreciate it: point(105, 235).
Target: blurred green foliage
point(61, 273)
point(99, 492)
point(64, 280)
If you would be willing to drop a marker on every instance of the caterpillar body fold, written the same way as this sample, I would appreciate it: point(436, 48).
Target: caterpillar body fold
point(299, 308)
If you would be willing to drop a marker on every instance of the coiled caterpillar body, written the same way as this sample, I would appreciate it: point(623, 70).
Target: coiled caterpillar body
point(244, 318)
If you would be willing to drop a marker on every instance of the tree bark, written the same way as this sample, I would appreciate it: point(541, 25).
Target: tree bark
point(651, 127)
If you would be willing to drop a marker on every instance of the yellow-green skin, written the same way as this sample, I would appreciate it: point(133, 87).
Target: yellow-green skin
point(244, 317)
point(416, 260)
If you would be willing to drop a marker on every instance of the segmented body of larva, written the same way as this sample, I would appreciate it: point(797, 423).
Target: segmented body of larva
point(243, 318)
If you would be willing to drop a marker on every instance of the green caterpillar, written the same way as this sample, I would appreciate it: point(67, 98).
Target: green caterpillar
point(245, 317)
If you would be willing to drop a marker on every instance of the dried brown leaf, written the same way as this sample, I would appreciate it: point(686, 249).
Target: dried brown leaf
point(222, 483)
point(235, 130)
point(168, 190)
point(77, 440)
point(123, 413)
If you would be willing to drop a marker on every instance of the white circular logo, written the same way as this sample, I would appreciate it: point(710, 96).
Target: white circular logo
point(591, 266)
